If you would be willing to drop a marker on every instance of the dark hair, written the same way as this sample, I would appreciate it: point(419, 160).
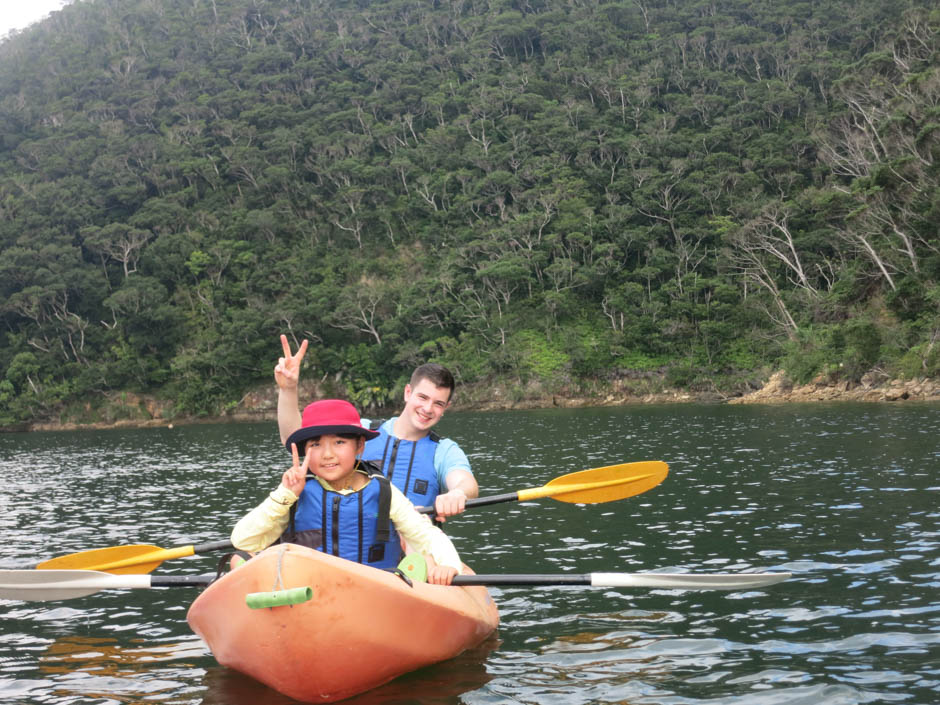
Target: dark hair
point(438, 375)
point(302, 445)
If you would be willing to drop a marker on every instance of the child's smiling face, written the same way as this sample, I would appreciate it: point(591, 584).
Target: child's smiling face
point(333, 457)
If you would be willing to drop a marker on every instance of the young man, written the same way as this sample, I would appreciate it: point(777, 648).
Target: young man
point(429, 470)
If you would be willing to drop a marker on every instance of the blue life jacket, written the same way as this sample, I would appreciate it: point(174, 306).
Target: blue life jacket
point(408, 464)
point(354, 526)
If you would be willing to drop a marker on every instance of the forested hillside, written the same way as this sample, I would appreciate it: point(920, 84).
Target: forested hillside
point(555, 190)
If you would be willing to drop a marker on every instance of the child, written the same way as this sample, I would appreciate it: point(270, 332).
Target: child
point(347, 507)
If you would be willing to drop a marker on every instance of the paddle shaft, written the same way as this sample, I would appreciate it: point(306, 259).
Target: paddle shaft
point(691, 581)
point(180, 580)
point(210, 546)
point(67, 584)
point(682, 581)
point(480, 501)
point(539, 492)
point(625, 480)
point(518, 496)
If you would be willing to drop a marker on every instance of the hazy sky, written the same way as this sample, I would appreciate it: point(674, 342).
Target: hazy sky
point(18, 14)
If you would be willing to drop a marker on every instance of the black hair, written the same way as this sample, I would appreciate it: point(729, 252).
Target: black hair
point(302, 446)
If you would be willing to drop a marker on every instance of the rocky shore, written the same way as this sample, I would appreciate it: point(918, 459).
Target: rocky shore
point(134, 411)
point(871, 388)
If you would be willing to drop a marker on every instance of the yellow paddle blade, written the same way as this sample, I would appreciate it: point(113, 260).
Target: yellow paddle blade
point(606, 484)
point(121, 560)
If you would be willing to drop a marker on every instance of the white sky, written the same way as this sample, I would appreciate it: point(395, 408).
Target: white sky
point(19, 14)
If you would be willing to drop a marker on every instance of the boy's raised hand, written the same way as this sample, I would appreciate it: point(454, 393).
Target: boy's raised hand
point(287, 370)
point(295, 477)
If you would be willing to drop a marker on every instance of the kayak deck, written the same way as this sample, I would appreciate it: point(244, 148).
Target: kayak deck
point(362, 628)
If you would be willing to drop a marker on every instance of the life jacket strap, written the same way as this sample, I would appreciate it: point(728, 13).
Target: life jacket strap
point(383, 521)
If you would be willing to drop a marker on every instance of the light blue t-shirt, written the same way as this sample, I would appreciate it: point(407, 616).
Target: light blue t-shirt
point(447, 457)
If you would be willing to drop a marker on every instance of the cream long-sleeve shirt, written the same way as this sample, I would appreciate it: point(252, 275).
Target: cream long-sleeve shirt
point(265, 523)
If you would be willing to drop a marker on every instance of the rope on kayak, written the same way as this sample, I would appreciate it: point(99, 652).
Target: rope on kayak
point(278, 581)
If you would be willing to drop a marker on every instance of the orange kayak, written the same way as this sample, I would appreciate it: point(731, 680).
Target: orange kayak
point(362, 628)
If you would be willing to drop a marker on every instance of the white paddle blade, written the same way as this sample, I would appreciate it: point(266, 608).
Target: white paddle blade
point(63, 584)
point(688, 581)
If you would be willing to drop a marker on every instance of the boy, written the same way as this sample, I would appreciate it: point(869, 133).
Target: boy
point(346, 508)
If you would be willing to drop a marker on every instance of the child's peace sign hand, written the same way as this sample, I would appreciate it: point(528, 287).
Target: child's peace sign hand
point(295, 477)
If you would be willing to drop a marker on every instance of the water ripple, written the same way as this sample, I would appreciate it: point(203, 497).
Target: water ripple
point(839, 495)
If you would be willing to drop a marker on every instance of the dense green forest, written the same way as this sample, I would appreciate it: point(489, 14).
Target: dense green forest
point(555, 191)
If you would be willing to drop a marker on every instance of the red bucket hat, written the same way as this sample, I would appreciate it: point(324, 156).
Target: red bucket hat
point(328, 416)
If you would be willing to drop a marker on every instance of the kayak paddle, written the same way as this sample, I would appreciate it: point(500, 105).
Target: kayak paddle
point(606, 484)
point(138, 558)
point(67, 584)
point(596, 486)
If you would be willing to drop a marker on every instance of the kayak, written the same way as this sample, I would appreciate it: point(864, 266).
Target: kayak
point(361, 627)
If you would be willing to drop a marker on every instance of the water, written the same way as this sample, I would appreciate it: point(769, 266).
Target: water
point(844, 496)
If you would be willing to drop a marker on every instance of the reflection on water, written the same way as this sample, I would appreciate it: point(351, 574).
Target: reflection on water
point(227, 687)
point(843, 496)
point(102, 668)
point(108, 656)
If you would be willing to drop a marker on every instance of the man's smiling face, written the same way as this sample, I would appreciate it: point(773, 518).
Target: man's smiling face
point(425, 404)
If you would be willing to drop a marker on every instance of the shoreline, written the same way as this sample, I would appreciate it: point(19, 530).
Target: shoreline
point(261, 404)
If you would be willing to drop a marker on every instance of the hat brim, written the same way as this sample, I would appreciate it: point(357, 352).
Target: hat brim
point(302, 435)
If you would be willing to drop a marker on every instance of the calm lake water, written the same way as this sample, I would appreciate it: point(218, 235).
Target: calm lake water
point(847, 497)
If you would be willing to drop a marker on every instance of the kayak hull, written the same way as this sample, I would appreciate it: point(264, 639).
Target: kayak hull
point(362, 628)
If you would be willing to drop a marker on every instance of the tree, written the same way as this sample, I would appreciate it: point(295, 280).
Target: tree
point(117, 241)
